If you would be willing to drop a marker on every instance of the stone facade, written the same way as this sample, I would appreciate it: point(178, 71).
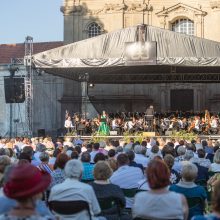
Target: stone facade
point(116, 14)
point(113, 15)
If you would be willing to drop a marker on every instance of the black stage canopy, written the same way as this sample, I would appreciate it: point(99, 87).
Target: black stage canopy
point(180, 57)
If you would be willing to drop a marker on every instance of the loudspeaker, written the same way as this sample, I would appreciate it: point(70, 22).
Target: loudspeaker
point(149, 134)
point(41, 133)
point(14, 90)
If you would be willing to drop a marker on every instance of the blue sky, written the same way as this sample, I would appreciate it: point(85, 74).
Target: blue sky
point(40, 19)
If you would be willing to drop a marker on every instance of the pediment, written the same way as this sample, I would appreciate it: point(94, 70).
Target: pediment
point(180, 8)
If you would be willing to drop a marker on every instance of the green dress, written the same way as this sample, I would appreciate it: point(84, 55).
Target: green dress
point(103, 128)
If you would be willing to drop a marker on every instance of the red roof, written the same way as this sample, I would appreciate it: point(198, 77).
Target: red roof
point(8, 51)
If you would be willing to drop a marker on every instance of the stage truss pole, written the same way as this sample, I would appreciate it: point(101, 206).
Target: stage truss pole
point(29, 85)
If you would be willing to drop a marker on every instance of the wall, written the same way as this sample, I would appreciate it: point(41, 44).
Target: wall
point(114, 15)
point(47, 90)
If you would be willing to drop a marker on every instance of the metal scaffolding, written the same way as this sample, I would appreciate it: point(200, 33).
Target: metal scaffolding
point(29, 85)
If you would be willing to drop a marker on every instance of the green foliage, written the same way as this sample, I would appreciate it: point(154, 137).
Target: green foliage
point(185, 135)
point(73, 133)
point(138, 136)
point(98, 137)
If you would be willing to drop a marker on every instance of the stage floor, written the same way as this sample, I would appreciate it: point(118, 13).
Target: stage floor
point(115, 137)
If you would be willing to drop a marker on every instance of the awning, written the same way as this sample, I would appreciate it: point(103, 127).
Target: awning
point(104, 55)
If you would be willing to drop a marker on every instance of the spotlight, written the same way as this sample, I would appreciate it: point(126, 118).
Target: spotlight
point(91, 85)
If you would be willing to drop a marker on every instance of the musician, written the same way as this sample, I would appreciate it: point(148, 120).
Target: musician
point(115, 125)
point(81, 127)
point(196, 128)
point(150, 117)
point(68, 125)
point(214, 126)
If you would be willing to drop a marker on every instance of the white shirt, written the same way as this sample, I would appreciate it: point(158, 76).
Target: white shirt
point(68, 124)
point(214, 123)
point(92, 154)
point(215, 167)
point(127, 177)
point(140, 158)
point(71, 190)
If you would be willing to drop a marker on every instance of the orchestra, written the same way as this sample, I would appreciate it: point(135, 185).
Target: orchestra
point(202, 123)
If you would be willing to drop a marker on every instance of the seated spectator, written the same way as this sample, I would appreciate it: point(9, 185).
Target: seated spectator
point(40, 148)
point(155, 151)
point(99, 157)
point(189, 189)
point(4, 162)
point(88, 167)
point(215, 167)
point(72, 189)
point(201, 160)
point(132, 163)
point(111, 153)
point(74, 155)
point(24, 156)
point(140, 157)
point(181, 150)
point(215, 215)
point(78, 148)
point(52, 159)
point(102, 146)
point(126, 177)
point(44, 166)
point(207, 147)
point(113, 164)
point(29, 150)
point(174, 175)
point(188, 155)
point(95, 150)
point(89, 148)
point(58, 175)
point(159, 202)
point(25, 184)
point(103, 189)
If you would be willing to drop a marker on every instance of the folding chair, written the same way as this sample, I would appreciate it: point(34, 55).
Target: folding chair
point(195, 203)
point(69, 207)
point(130, 193)
point(109, 205)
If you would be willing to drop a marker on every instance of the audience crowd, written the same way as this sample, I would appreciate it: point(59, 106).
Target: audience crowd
point(75, 179)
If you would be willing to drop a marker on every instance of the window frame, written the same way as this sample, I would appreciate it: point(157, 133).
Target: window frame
point(184, 26)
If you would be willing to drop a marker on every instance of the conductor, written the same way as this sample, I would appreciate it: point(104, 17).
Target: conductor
point(150, 117)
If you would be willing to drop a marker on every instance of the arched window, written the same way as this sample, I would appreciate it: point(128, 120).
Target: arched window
point(94, 29)
point(183, 25)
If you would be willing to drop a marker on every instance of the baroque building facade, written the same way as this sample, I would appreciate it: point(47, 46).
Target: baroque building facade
point(89, 18)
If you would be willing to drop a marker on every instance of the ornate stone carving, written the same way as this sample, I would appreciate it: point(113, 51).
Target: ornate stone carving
point(137, 7)
point(109, 8)
point(215, 4)
point(69, 10)
point(134, 7)
point(180, 9)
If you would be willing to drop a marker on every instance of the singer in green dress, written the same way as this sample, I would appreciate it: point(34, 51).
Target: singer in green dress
point(103, 128)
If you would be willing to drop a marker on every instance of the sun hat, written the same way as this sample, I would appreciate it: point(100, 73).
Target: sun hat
point(25, 180)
